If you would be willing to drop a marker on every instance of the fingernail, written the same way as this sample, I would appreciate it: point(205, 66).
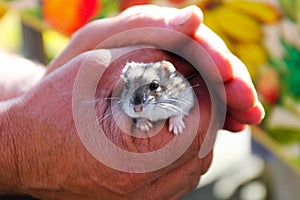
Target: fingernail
point(180, 17)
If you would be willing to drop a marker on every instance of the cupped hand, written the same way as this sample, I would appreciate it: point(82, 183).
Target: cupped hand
point(169, 29)
point(54, 160)
point(55, 163)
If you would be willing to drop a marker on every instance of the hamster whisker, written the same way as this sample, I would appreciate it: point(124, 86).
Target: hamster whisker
point(92, 101)
point(114, 102)
point(111, 104)
point(168, 102)
point(174, 110)
point(168, 109)
point(118, 102)
point(185, 102)
point(170, 106)
point(113, 98)
point(100, 120)
point(102, 99)
point(191, 76)
point(193, 86)
point(180, 101)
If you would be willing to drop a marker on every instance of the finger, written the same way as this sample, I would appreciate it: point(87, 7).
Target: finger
point(240, 91)
point(251, 116)
point(89, 37)
point(233, 125)
point(231, 69)
point(233, 72)
point(239, 95)
point(216, 50)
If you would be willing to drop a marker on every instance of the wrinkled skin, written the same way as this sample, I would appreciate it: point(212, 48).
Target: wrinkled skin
point(49, 160)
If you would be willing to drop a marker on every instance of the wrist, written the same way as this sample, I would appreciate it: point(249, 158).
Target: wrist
point(9, 181)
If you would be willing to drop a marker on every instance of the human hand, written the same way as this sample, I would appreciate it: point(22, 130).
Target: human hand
point(17, 75)
point(53, 163)
point(53, 130)
point(241, 98)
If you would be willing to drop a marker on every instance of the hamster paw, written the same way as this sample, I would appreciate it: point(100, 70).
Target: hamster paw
point(176, 125)
point(144, 124)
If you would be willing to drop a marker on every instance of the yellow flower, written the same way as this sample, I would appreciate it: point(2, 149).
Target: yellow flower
point(239, 23)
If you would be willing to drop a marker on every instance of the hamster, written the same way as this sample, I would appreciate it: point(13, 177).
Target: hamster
point(155, 91)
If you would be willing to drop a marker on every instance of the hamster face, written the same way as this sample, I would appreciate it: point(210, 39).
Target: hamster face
point(154, 91)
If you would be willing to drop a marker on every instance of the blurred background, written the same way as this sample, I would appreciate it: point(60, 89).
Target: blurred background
point(262, 162)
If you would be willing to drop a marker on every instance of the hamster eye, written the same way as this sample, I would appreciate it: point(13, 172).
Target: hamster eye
point(154, 85)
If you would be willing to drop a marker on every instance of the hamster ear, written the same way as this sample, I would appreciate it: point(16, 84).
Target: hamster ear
point(124, 72)
point(168, 68)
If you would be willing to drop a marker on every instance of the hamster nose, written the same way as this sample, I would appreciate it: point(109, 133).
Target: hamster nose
point(136, 100)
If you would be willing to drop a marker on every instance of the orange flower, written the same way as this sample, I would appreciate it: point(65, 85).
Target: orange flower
point(69, 15)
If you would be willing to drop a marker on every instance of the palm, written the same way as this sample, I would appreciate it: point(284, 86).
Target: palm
point(78, 165)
